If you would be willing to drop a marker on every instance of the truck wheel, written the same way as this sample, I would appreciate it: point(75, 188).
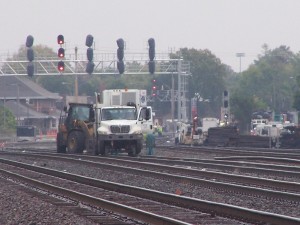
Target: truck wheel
point(60, 147)
point(75, 142)
point(139, 147)
point(96, 152)
point(103, 150)
point(133, 151)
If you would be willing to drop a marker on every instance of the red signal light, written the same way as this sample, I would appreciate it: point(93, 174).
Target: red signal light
point(61, 53)
point(61, 66)
point(60, 39)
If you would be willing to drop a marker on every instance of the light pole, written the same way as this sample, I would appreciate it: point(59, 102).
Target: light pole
point(240, 55)
point(27, 103)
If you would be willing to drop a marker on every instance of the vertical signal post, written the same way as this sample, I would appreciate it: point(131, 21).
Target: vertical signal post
point(226, 106)
point(151, 63)
point(90, 54)
point(154, 88)
point(30, 55)
point(61, 53)
point(120, 56)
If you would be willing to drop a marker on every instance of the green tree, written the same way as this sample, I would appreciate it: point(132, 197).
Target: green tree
point(266, 85)
point(7, 122)
point(208, 77)
point(296, 82)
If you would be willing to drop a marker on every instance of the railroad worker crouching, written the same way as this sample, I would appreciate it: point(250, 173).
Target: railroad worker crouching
point(150, 143)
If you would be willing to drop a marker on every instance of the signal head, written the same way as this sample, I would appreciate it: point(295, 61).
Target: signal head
point(60, 39)
point(61, 53)
point(29, 41)
point(151, 43)
point(89, 40)
point(120, 43)
point(61, 66)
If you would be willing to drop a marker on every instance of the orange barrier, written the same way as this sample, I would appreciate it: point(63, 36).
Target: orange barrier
point(51, 133)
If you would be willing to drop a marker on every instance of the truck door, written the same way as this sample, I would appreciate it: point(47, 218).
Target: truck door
point(146, 123)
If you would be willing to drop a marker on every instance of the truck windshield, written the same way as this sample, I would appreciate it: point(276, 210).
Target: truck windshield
point(119, 114)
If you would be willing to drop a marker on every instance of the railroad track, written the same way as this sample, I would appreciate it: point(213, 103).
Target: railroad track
point(187, 210)
point(50, 146)
point(186, 172)
point(218, 151)
point(215, 185)
point(190, 168)
point(229, 166)
point(229, 163)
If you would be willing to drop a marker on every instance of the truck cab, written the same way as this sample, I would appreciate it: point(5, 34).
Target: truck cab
point(121, 97)
point(119, 129)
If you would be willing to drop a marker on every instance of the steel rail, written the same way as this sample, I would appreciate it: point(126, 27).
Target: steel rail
point(230, 151)
point(196, 172)
point(242, 164)
point(186, 179)
point(186, 202)
point(296, 161)
point(108, 205)
point(216, 165)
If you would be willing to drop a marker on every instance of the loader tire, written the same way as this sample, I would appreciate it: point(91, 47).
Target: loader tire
point(60, 146)
point(76, 142)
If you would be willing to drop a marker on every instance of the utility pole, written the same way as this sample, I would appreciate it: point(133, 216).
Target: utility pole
point(27, 104)
point(76, 76)
point(172, 104)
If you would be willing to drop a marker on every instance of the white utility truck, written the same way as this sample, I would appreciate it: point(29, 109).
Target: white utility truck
point(118, 97)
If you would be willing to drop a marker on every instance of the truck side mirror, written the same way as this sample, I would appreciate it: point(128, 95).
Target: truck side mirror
point(145, 113)
point(92, 115)
point(98, 98)
point(65, 109)
point(148, 114)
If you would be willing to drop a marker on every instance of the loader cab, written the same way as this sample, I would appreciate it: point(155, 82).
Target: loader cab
point(78, 111)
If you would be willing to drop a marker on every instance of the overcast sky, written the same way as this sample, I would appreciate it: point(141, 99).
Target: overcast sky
point(225, 27)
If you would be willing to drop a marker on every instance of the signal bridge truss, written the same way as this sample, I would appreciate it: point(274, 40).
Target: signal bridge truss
point(102, 67)
point(74, 66)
